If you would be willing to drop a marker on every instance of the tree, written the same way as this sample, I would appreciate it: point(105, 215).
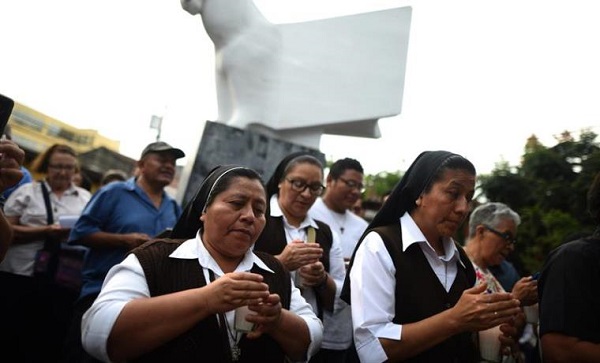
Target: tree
point(548, 190)
point(377, 185)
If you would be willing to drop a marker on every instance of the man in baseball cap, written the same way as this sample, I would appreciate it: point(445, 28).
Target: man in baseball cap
point(162, 147)
point(122, 216)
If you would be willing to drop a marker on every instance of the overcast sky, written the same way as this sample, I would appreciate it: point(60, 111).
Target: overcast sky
point(481, 76)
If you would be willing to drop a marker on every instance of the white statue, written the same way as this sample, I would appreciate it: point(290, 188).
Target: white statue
point(298, 81)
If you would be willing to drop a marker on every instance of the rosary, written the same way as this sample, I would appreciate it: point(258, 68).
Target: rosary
point(236, 352)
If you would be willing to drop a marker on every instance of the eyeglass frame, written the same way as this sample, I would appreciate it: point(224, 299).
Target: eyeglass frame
point(299, 185)
point(352, 184)
point(506, 236)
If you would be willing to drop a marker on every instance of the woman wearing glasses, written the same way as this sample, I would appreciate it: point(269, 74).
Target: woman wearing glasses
point(317, 268)
point(38, 310)
point(36, 223)
point(492, 236)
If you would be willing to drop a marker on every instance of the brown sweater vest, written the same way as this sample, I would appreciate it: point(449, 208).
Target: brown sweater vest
point(205, 342)
point(273, 241)
point(419, 295)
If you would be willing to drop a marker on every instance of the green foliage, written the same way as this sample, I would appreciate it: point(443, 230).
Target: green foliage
point(548, 190)
point(377, 185)
point(505, 187)
point(539, 233)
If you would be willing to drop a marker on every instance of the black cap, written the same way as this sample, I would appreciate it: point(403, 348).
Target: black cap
point(160, 147)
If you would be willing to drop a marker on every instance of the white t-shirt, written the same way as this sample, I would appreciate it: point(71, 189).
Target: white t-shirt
point(338, 325)
point(353, 226)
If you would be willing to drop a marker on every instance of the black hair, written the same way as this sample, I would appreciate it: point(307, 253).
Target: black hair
point(340, 166)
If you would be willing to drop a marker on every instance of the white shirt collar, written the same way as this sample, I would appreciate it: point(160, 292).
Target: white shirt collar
point(195, 249)
point(277, 212)
point(411, 234)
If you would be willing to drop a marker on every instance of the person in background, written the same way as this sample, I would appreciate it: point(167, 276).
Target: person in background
point(26, 208)
point(120, 217)
point(149, 310)
point(409, 284)
point(39, 310)
point(357, 208)
point(81, 179)
point(26, 175)
point(344, 185)
point(491, 238)
point(11, 160)
point(507, 275)
point(112, 175)
point(318, 268)
point(569, 289)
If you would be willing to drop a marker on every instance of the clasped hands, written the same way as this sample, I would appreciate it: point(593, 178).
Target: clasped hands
point(298, 253)
point(478, 310)
point(313, 274)
point(237, 289)
point(526, 291)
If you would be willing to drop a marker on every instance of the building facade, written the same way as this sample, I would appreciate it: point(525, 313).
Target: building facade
point(34, 132)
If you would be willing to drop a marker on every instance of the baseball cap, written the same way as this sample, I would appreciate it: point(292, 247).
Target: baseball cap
point(160, 147)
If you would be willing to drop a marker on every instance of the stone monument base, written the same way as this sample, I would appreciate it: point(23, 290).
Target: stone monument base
point(222, 144)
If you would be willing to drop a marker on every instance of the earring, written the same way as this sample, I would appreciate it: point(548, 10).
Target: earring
point(418, 202)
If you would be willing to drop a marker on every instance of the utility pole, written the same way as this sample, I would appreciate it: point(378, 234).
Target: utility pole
point(156, 124)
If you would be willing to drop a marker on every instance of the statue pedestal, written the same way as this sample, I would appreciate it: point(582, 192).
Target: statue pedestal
point(222, 144)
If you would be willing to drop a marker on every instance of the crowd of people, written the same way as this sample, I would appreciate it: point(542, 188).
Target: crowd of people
point(283, 268)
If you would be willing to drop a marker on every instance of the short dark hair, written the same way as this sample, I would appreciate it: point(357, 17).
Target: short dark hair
point(340, 166)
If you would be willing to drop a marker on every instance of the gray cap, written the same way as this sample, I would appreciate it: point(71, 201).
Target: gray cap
point(162, 147)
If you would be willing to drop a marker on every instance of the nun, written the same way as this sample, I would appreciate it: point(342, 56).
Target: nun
point(175, 299)
point(307, 247)
point(410, 285)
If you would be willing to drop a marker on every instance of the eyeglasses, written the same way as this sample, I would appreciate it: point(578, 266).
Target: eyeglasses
point(352, 184)
point(507, 236)
point(62, 167)
point(300, 186)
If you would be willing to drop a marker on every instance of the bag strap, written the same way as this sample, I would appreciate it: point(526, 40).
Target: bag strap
point(48, 243)
point(49, 216)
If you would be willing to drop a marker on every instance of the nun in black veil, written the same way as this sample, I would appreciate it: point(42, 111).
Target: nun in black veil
point(410, 285)
point(176, 299)
point(318, 268)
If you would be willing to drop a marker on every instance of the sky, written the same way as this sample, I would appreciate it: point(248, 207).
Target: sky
point(481, 76)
